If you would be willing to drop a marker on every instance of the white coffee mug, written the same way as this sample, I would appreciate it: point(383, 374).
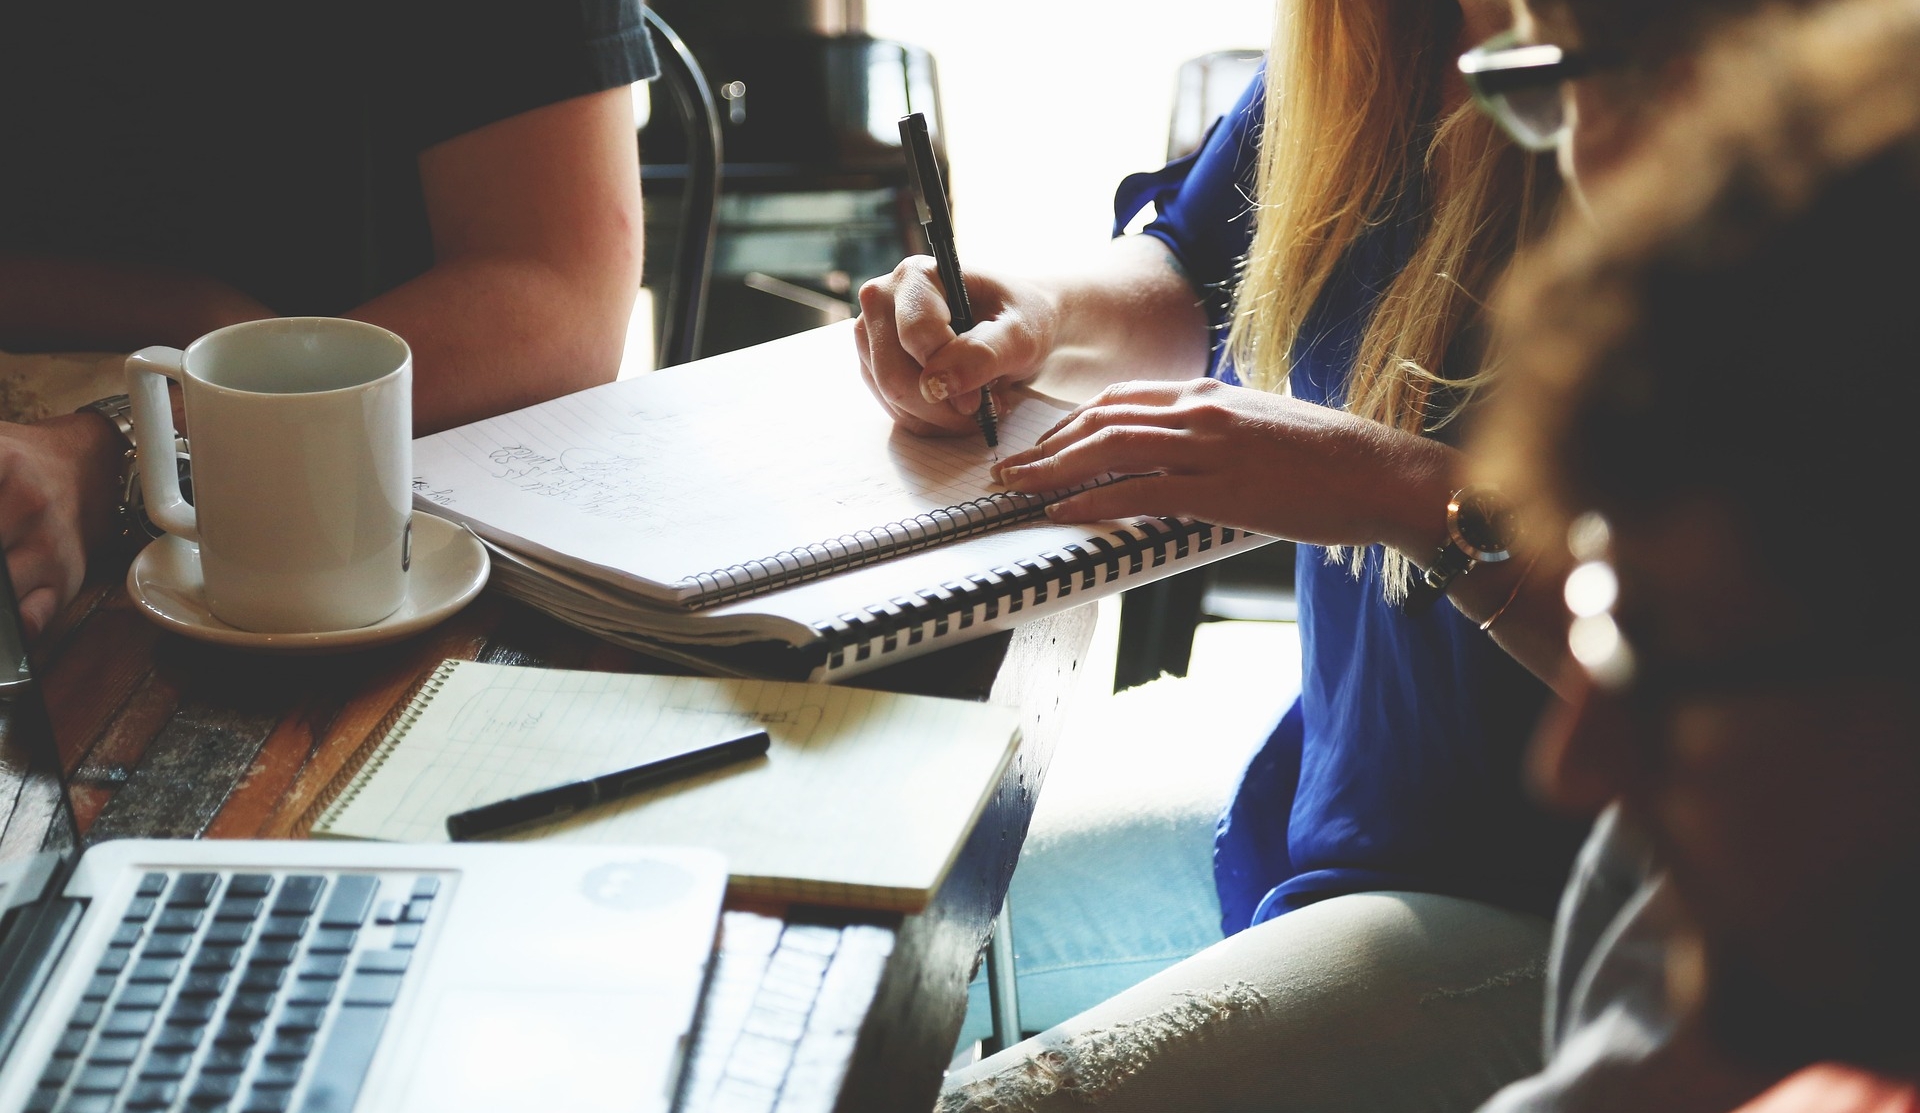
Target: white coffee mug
point(302, 448)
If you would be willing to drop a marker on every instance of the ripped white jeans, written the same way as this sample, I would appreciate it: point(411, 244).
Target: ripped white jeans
point(1372, 1003)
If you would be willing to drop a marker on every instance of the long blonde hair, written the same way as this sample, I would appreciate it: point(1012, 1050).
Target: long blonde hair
point(1353, 129)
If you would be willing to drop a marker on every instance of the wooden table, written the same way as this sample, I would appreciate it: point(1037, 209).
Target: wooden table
point(164, 737)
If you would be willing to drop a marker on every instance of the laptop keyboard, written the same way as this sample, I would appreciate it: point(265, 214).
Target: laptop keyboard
point(245, 992)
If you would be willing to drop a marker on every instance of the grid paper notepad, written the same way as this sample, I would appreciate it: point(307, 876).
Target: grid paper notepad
point(864, 799)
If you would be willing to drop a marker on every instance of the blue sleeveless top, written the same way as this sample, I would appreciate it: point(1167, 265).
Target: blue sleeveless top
point(1399, 767)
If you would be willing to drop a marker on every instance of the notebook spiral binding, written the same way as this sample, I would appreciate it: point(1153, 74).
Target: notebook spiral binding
point(867, 546)
point(372, 753)
point(1148, 543)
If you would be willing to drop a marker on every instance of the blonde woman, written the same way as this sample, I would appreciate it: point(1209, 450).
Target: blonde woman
point(1383, 879)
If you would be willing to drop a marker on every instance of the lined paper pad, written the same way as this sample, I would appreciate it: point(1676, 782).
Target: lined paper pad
point(864, 799)
point(650, 482)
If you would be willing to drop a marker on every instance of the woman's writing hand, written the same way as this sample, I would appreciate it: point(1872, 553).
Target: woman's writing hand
point(927, 377)
point(1242, 458)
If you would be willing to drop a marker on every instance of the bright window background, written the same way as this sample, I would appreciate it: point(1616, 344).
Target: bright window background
point(1049, 103)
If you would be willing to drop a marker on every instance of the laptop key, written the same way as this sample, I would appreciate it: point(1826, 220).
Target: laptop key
point(240, 908)
point(85, 1015)
point(152, 884)
point(250, 1006)
point(217, 959)
point(155, 970)
point(204, 983)
point(214, 1089)
point(278, 952)
point(113, 960)
point(416, 910)
point(426, 886)
point(278, 1073)
point(229, 933)
point(128, 1022)
point(100, 987)
point(332, 941)
point(89, 1103)
point(59, 1069)
point(128, 933)
point(342, 1064)
point(42, 1100)
point(227, 1059)
point(166, 1066)
point(406, 935)
point(262, 979)
point(100, 1080)
point(167, 946)
point(138, 909)
point(283, 927)
point(118, 1049)
point(384, 962)
point(324, 966)
point(193, 890)
point(179, 1037)
point(290, 1045)
point(147, 995)
point(311, 991)
point(72, 1041)
point(387, 913)
point(299, 895)
point(301, 1018)
point(352, 899)
point(237, 1032)
point(267, 1101)
point(372, 989)
point(192, 1010)
point(250, 885)
point(152, 1094)
point(179, 919)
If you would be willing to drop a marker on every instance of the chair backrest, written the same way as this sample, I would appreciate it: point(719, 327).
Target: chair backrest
point(686, 295)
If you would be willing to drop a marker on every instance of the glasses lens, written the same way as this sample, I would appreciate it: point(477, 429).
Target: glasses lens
point(1536, 118)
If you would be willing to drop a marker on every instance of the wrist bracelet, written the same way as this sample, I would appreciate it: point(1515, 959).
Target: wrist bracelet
point(1511, 596)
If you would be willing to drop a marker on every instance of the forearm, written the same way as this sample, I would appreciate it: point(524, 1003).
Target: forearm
point(53, 303)
point(496, 334)
point(1130, 314)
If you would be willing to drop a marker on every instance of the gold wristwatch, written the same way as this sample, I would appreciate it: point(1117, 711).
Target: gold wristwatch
point(136, 529)
point(1481, 528)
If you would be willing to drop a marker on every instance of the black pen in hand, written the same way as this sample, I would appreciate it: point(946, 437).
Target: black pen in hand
point(936, 220)
point(544, 805)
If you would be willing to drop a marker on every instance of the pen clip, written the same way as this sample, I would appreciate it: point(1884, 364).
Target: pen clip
point(923, 173)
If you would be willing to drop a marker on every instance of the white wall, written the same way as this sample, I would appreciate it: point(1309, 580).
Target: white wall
point(1049, 103)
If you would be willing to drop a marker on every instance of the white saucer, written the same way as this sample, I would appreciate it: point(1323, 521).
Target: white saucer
point(449, 569)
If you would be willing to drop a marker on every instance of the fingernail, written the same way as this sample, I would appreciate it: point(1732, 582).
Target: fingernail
point(935, 388)
point(1054, 509)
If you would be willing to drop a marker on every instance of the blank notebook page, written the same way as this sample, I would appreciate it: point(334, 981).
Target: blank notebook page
point(864, 798)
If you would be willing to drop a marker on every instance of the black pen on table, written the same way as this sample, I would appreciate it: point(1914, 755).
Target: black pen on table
point(936, 220)
point(563, 800)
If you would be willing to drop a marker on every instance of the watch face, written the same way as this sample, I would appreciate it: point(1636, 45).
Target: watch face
point(1484, 524)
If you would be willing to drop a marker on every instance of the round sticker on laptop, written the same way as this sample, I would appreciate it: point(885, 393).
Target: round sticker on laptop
point(636, 886)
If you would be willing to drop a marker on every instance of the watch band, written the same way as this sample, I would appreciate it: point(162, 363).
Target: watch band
point(136, 529)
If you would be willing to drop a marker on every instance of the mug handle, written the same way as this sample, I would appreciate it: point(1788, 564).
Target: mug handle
point(147, 373)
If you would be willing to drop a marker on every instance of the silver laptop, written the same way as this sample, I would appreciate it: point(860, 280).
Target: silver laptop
point(315, 977)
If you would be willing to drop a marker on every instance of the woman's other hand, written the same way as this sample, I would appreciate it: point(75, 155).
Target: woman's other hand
point(1242, 458)
point(926, 376)
point(56, 506)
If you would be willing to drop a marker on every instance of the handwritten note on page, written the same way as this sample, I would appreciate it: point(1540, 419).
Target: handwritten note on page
point(662, 478)
point(864, 799)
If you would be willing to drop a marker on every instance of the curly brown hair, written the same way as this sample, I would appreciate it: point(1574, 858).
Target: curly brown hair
point(1737, 318)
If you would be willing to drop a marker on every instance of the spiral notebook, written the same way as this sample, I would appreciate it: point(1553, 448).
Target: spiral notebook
point(759, 513)
point(865, 798)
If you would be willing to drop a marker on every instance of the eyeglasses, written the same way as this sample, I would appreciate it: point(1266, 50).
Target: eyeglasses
point(1519, 85)
point(1654, 684)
